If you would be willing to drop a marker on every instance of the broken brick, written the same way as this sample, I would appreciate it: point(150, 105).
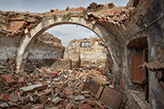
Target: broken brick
point(36, 76)
point(21, 80)
point(42, 99)
point(90, 102)
point(45, 92)
point(69, 106)
point(85, 106)
point(56, 100)
point(5, 98)
point(7, 79)
point(99, 105)
point(69, 92)
point(62, 94)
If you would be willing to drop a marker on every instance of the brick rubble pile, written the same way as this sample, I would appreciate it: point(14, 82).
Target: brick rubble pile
point(48, 88)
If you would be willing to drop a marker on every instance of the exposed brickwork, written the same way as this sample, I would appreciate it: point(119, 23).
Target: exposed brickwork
point(15, 25)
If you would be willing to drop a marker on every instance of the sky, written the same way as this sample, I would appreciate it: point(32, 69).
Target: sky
point(64, 32)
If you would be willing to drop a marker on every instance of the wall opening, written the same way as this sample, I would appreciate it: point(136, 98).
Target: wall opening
point(85, 44)
point(137, 55)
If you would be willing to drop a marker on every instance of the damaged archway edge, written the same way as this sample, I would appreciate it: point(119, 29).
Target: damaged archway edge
point(45, 25)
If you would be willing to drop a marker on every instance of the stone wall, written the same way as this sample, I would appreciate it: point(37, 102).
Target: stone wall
point(44, 51)
point(155, 31)
point(93, 55)
point(8, 51)
point(146, 20)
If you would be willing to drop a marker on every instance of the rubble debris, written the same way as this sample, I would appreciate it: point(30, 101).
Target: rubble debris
point(153, 66)
point(13, 98)
point(93, 84)
point(56, 100)
point(110, 94)
point(33, 87)
point(67, 8)
point(4, 105)
point(7, 79)
point(53, 88)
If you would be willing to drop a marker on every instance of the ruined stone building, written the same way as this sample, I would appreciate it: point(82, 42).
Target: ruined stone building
point(45, 49)
point(91, 52)
point(133, 35)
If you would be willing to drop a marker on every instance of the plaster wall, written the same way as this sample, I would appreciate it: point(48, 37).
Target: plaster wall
point(94, 55)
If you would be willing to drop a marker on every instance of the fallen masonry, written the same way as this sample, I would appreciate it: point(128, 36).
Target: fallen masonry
point(79, 88)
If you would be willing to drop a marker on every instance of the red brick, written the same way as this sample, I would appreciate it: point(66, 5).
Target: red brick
point(54, 75)
point(7, 79)
point(5, 98)
point(65, 104)
point(15, 25)
point(85, 106)
point(90, 102)
point(39, 71)
point(21, 80)
point(36, 76)
point(99, 105)
point(74, 107)
point(44, 70)
point(67, 92)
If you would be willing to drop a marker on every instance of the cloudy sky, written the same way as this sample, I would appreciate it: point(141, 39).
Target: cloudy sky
point(64, 32)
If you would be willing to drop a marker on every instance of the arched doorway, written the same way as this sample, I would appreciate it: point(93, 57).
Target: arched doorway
point(46, 24)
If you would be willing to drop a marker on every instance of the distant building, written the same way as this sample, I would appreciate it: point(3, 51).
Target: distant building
point(90, 52)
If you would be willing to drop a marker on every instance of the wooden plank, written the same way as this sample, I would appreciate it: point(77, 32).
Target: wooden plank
point(94, 85)
point(111, 98)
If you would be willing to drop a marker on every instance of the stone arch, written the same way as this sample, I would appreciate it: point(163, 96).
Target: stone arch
point(46, 24)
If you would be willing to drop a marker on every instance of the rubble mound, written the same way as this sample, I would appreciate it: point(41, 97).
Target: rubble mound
point(94, 7)
point(48, 88)
point(49, 39)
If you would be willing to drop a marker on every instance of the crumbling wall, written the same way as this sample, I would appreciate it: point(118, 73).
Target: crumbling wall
point(155, 30)
point(93, 55)
point(72, 52)
point(133, 31)
point(18, 23)
point(146, 20)
point(44, 51)
point(8, 51)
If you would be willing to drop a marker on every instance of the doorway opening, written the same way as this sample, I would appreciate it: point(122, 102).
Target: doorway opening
point(138, 54)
